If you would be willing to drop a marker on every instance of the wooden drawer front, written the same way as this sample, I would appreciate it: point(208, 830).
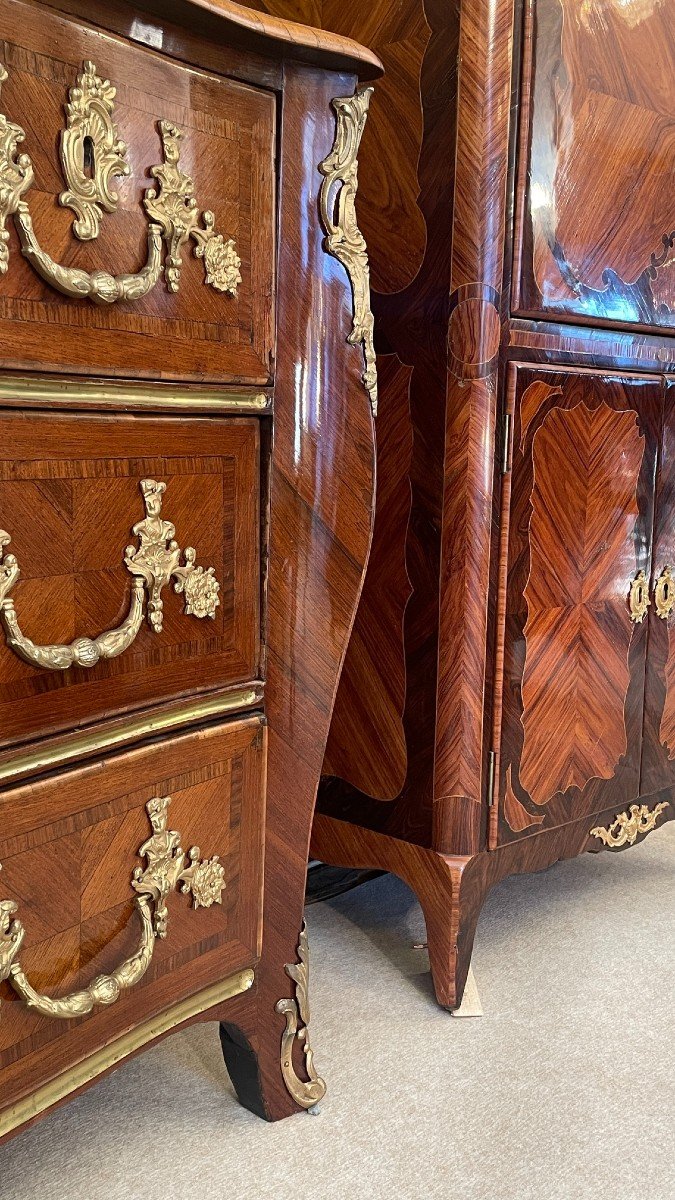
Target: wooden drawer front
point(226, 150)
point(595, 236)
point(69, 848)
point(70, 496)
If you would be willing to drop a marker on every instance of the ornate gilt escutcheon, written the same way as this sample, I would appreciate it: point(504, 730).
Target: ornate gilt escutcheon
point(153, 563)
point(305, 1092)
point(91, 156)
point(664, 594)
point(168, 869)
point(628, 825)
point(638, 598)
point(337, 207)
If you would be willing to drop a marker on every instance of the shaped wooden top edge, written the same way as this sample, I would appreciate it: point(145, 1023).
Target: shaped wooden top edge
point(262, 33)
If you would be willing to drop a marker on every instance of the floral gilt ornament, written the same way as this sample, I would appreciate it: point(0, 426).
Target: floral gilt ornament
point(174, 215)
point(174, 207)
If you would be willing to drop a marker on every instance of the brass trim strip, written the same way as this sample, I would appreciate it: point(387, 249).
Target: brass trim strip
point(64, 750)
point(109, 1056)
point(69, 393)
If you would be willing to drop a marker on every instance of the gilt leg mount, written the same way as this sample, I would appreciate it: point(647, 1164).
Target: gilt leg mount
point(309, 1092)
point(153, 563)
point(168, 869)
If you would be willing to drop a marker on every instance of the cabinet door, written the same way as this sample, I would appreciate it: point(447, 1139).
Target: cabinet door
point(658, 757)
point(596, 210)
point(575, 535)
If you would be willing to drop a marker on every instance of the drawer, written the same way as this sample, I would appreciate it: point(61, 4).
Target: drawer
point(101, 890)
point(115, 524)
point(223, 135)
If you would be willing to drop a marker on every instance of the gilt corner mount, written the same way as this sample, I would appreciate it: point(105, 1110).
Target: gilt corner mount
point(92, 155)
point(344, 240)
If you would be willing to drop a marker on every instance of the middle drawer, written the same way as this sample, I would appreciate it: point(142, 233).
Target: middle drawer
point(103, 519)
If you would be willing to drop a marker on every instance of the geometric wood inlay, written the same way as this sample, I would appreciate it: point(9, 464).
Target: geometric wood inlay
point(586, 464)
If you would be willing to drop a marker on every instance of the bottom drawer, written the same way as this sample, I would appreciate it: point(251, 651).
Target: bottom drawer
point(117, 903)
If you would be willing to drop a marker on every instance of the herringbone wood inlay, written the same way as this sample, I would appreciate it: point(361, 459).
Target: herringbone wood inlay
point(584, 507)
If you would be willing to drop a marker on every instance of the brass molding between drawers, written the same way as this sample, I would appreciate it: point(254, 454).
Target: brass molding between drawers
point(69, 747)
point(56, 393)
point(84, 1072)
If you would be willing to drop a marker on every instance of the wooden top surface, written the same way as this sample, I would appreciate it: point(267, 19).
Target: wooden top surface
point(264, 34)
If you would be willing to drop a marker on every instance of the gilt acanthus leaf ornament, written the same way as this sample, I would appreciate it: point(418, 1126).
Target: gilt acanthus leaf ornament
point(168, 869)
point(344, 240)
point(627, 826)
point(91, 156)
point(305, 1092)
point(173, 205)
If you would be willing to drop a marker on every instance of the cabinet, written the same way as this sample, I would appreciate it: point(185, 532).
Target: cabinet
point(499, 709)
point(182, 541)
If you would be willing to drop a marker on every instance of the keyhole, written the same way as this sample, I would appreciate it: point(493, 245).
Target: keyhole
point(666, 591)
point(88, 164)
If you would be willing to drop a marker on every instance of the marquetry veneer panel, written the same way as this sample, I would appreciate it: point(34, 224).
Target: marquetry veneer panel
point(69, 496)
point(68, 865)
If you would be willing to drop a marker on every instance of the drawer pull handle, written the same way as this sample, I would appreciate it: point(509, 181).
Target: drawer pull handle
point(99, 286)
point(153, 563)
point(171, 206)
point(664, 594)
point(638, 598)
point(168, 869)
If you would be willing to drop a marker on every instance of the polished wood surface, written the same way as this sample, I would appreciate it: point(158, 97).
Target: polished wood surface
point(69, 861)
point(578, 531)
point(595, 233)
point(197, 332)
point(288, 496)
point(69, 497)
point(543, 159)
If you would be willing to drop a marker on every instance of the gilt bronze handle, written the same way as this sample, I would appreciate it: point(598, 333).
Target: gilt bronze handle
point(153, 563)
point(168, 869)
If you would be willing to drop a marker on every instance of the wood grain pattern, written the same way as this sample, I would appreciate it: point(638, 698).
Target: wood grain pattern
point(367, 718)
point(578, 632)
point(69, 497)
point(68, 863)
point(316, 518)
point(580, 527)
point(597, 217)
point(228, 149)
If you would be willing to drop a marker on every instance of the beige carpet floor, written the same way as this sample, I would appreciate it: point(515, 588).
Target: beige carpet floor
point(563, 1090)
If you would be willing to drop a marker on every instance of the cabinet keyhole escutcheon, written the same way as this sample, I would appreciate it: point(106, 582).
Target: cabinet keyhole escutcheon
point(638, 598)
point(664, 594)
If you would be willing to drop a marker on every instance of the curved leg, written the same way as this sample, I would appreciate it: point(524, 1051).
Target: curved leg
point(450, 895)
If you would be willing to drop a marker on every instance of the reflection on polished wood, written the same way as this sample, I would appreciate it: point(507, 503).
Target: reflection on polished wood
point(561, 114)
point(244, 399)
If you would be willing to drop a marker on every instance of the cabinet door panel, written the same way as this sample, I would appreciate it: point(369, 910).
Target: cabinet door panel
point(597, 215)
point(658, 757)
point(579, 529)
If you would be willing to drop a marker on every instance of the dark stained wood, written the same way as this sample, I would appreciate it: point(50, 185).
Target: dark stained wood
point(69, 496)
point(228, 150)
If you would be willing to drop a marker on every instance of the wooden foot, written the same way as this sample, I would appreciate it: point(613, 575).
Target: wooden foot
point(450, 897)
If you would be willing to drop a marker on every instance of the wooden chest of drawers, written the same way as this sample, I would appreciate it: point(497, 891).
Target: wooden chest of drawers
point(186, 477)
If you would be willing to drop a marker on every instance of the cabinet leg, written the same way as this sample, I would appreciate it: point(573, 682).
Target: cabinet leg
point(274, 1075)
point(449, 894)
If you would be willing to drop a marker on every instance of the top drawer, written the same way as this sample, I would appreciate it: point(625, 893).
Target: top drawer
point(595, 237)
point(223, 133)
